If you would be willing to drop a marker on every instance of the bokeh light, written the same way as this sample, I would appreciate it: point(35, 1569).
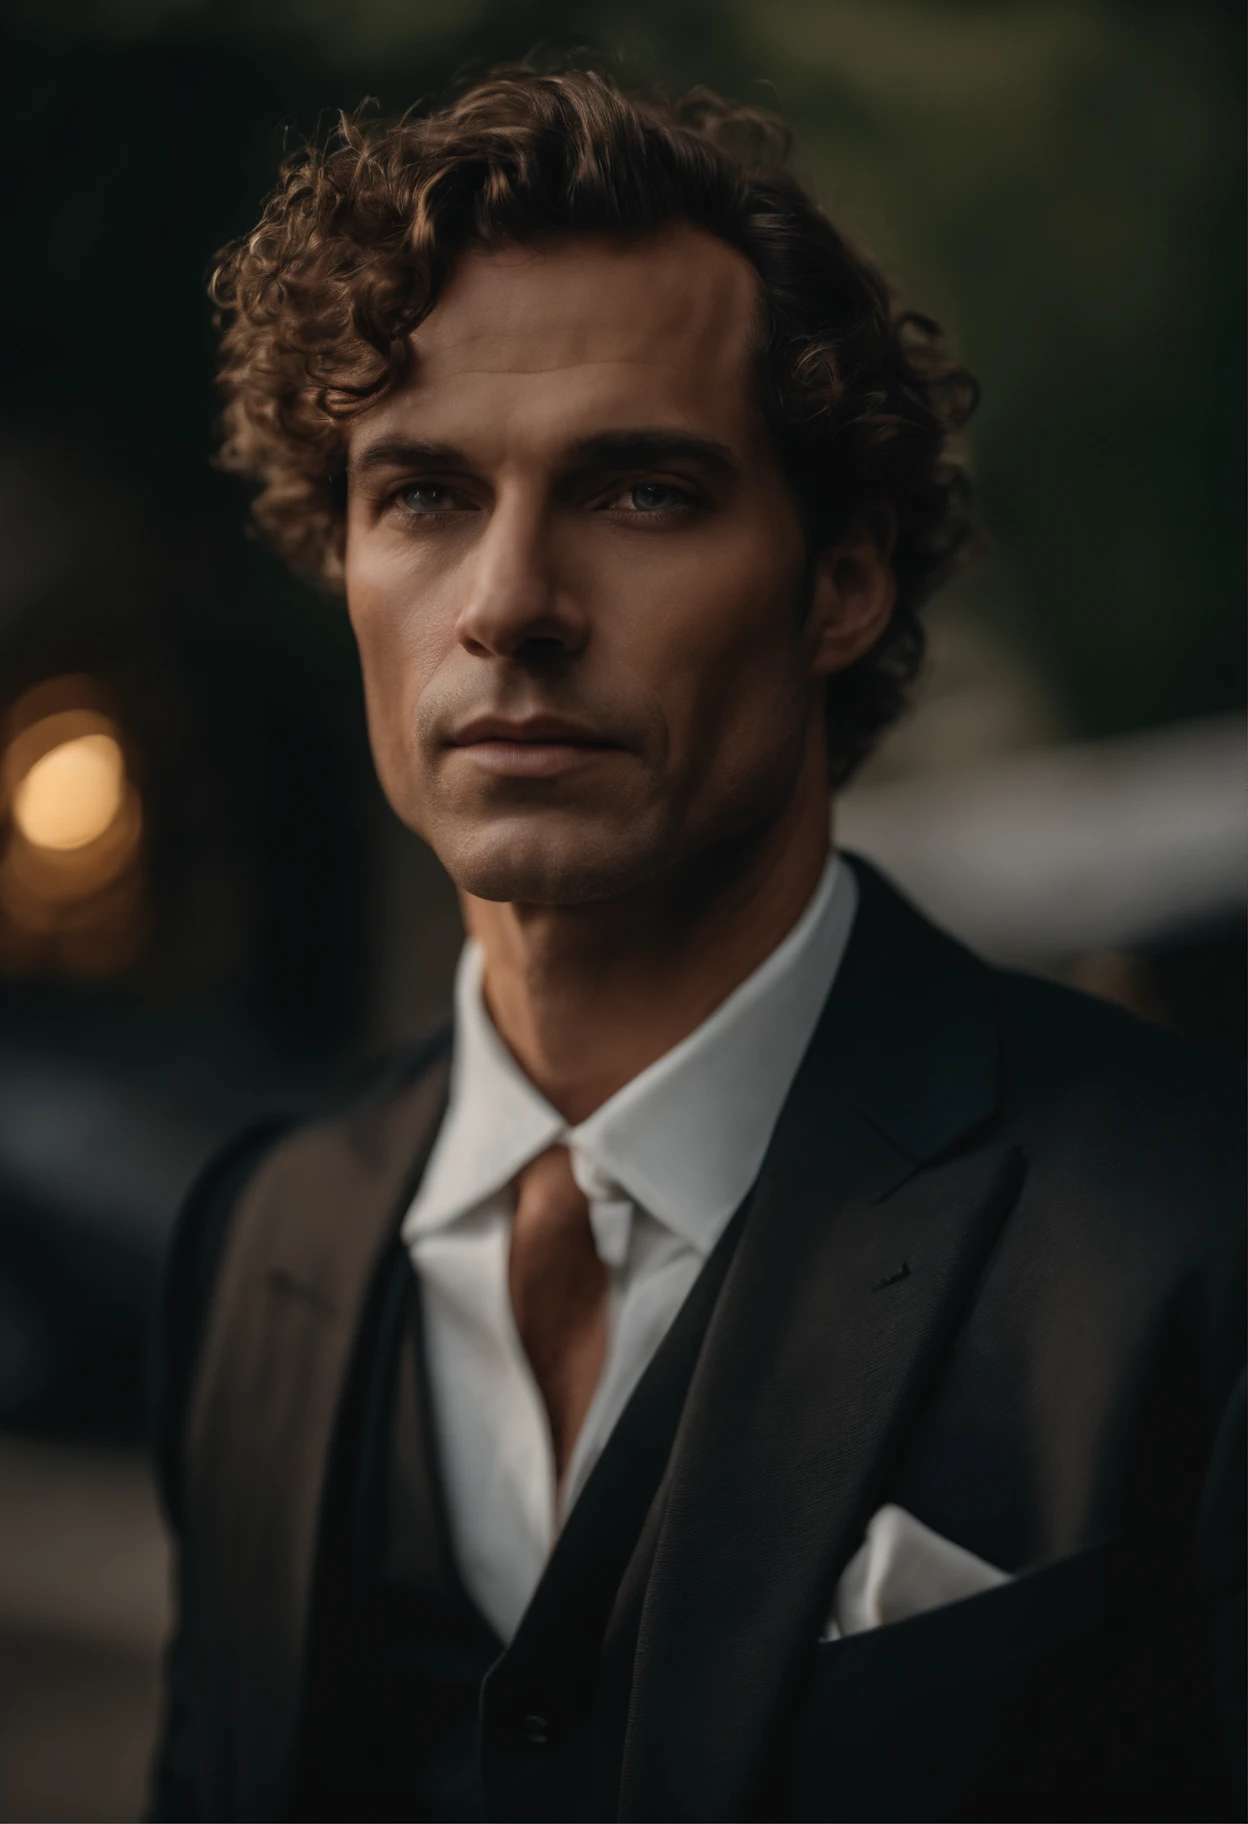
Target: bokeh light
point(69, 874)
point(73, 794)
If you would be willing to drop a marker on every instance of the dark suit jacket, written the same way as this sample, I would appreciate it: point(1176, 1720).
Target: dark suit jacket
point(991, 1271)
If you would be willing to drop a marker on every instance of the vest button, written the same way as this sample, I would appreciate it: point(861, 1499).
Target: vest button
point(535, 1726)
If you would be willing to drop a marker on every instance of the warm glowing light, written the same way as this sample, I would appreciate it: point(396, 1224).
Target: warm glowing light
point(72, 795)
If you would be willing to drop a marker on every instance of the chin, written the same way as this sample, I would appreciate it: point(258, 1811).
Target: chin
point(546, 867)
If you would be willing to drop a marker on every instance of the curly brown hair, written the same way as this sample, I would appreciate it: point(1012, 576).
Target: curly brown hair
point(356, 243)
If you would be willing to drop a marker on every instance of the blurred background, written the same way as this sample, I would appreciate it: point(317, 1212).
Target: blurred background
point(206, 910)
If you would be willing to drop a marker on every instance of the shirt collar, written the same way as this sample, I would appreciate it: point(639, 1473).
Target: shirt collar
point(496, 1121)
point(685, 1139)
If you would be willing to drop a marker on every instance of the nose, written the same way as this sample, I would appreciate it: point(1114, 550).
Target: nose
point(515, 607)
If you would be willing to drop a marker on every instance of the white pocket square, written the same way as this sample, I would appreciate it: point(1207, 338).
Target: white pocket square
point(901, 1569)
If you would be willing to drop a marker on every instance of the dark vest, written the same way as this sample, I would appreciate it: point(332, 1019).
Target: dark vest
point(412, 1708)
point(399, 1651)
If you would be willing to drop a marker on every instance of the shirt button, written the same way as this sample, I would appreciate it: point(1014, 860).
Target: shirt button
point(536, 1728)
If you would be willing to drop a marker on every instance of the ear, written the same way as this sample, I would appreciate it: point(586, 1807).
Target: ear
point(853, 594)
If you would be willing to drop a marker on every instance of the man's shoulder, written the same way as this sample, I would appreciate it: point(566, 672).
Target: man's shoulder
point(201, 1234)
point(1069, 1076)
point(1123, 1114)
point(202, 1227)
point(1058, 1042)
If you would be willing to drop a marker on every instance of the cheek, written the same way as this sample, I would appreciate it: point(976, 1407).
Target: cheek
point(397, 654)
point(729, 668)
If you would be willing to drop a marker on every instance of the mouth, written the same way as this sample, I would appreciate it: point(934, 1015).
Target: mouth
point(534, 747)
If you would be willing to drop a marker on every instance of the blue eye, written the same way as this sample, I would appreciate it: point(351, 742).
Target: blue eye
point(654, 497)
point(426, 497)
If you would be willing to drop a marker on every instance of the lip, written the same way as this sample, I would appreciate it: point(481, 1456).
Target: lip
point(534, 747)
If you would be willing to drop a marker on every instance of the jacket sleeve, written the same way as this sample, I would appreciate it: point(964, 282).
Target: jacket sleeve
point(191, 1267)
point(1220, 1548)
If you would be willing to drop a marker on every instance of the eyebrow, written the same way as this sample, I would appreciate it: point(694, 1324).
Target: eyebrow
point(404, 453)
point(605, 450)
point(644, 448)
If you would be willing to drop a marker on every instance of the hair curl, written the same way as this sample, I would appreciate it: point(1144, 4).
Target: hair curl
point(357, 241)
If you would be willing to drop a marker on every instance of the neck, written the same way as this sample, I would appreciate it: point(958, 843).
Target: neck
point(586, 997)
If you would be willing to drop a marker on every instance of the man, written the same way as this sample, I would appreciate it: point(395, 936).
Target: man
point(763, 1362)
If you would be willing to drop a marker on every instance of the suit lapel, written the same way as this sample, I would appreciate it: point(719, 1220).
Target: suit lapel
point(308, 1241)
point(863, 1247)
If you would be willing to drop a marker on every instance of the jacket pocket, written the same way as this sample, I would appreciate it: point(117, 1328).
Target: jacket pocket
point(1031, 1611)
point(994, 1706)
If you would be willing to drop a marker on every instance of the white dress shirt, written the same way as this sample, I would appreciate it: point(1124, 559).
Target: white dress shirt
point(664, 1164)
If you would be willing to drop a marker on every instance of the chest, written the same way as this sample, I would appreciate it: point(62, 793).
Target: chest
point(417, 1707)
point(486, 1420)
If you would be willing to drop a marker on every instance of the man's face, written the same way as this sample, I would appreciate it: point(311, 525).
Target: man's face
point(574, 571)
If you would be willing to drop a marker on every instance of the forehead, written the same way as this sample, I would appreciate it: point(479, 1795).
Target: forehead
point(568, 338)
